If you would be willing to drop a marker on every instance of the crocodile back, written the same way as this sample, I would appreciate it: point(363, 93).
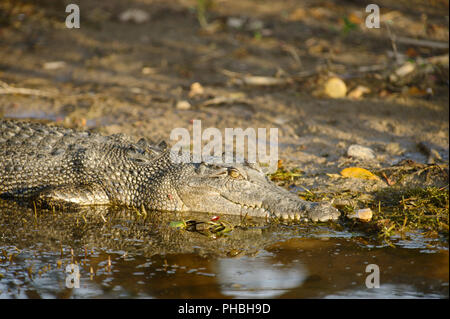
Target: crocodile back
point(35, 156)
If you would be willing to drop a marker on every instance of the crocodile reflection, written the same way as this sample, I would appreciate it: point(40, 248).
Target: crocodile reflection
point(134, 257)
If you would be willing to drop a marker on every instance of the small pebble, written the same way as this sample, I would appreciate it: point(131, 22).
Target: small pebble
point(335, 88)
point(364, 214)
point(137, 16)
point(54, 65)
point(196, 89)
point(235, 22)
point(183, 105)
point(361, 152)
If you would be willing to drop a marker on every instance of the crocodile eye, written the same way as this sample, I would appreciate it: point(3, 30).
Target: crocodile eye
point(234, 173)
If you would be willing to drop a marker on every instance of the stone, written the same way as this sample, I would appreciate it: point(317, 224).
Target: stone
point(361, 152)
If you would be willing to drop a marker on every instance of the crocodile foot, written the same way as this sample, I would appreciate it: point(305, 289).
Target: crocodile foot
point(322, 212)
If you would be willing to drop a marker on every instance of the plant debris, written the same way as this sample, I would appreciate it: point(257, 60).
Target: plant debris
point(211, 228)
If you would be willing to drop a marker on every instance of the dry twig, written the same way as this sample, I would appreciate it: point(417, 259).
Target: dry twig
point(5, 88)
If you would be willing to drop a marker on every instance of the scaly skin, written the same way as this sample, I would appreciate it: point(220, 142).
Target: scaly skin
point(56, 165)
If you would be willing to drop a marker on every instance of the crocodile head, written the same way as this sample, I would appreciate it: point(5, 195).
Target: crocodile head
point(243, 189)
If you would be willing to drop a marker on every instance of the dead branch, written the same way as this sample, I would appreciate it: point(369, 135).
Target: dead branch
point(422, 43)
point(5, 88)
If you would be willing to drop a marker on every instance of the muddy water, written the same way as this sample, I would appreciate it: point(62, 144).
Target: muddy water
point(120, 254)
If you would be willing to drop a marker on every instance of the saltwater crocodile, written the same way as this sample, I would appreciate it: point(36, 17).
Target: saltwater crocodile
point(50, 164)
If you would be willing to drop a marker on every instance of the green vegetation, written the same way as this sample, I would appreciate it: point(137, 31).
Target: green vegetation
point(202, 8)
point(424, 209)
point(396, 210)
point(348, 26)
point(284, 175)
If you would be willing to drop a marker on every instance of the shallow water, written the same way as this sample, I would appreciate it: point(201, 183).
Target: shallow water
point(122, 255)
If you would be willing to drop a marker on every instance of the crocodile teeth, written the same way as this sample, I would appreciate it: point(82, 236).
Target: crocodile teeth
point(261, 211)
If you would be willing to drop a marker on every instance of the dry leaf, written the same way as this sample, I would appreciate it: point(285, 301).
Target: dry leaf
point(358, 92)
point(297, 15)
point(240, 53)
point(384, 93)
point(411, 53)
point(405, 69)
point(320, 12)
point(354, 18)
point(147, 70)
point(358, 172)
point(415, 91)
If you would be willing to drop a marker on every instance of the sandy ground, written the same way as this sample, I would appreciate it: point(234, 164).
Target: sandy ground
point(125, 77)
